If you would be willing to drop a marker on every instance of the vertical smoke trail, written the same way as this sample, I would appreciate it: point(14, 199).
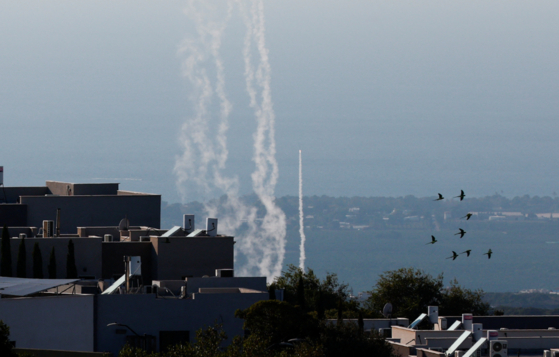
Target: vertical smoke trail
point(205, 152)
point(301, 223)
point(264, 246)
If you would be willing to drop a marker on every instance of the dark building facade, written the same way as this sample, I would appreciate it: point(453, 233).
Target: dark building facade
point(81, 205)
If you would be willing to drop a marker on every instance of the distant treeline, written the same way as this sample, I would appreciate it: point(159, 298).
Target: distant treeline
point(324, 212)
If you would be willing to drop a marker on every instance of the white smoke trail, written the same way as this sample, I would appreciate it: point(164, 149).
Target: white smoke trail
point(301, 223)
point(265, 246)
point(205, 152)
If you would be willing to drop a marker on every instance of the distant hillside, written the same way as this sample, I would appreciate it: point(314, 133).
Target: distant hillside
point(524, 300)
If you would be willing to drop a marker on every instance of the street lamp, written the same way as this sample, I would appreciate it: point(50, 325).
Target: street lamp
point(123, 325)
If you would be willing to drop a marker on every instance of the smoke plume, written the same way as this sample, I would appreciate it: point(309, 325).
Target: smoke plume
point(205, 153)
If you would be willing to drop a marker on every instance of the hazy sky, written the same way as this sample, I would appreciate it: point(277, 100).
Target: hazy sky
point(383, 97)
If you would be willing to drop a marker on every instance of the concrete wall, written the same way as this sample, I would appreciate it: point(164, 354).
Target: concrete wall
point(87, 252)
point(13, 193)
point(400, 349)
point(57, 323)
point(195, 257)
point(423, 337)
point(76, 189)
point(99, 232)
point(57, 353)
point(84, 211)
point(146, 314)
point(255, 283)
point(13, 214)
point(421, 352)
point(511, 321)
point(376, 324)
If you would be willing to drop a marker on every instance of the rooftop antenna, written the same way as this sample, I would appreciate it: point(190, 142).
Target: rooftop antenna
point(124, 224)
point(387, 312)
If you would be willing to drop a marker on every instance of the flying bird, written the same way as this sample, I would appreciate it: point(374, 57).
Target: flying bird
point(433, 240)
point(468, 216)
point(440, 198)
point(467, 252)
point(462, 195)
point(489, 252)
point(462, 232)
point(454, 255)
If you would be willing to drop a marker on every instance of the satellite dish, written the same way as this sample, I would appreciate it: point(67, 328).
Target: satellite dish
point(387, 310)
point(124, 224)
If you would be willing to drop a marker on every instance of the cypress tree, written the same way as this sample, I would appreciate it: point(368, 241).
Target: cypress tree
point(21, 260)
point(272, 291)
point(361, 323)
point(340, 312)
point(301, 293)
point(71, 269)
point(52, 264)
point(6, 265)
point(320, 306)
point(37, 262)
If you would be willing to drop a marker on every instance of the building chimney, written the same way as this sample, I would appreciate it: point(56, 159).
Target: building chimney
point(433, 313)
point(477, 331)
point(467, 321)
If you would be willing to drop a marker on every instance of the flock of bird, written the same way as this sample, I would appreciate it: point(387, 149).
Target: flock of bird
point(461, 232)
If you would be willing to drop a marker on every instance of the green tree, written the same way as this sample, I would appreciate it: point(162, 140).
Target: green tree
point(272, 291)
point(37, 262)
point(319, 295)
point(346, 339)
point(52, 264)
point(457, 300)
point(71, 269)
point(278, 320)
point(301, 293)
point(6, 266)
point(411, 290)
point(21, 271)
point(6, 348)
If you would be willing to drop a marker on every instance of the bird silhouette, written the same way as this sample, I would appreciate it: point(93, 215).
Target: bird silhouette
point(433, 240)
point(467, 216)
point(467, 252)
point(489, 252)
point(462, 232)
point(440, 198)
point(454, 255)
point(462, 195)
